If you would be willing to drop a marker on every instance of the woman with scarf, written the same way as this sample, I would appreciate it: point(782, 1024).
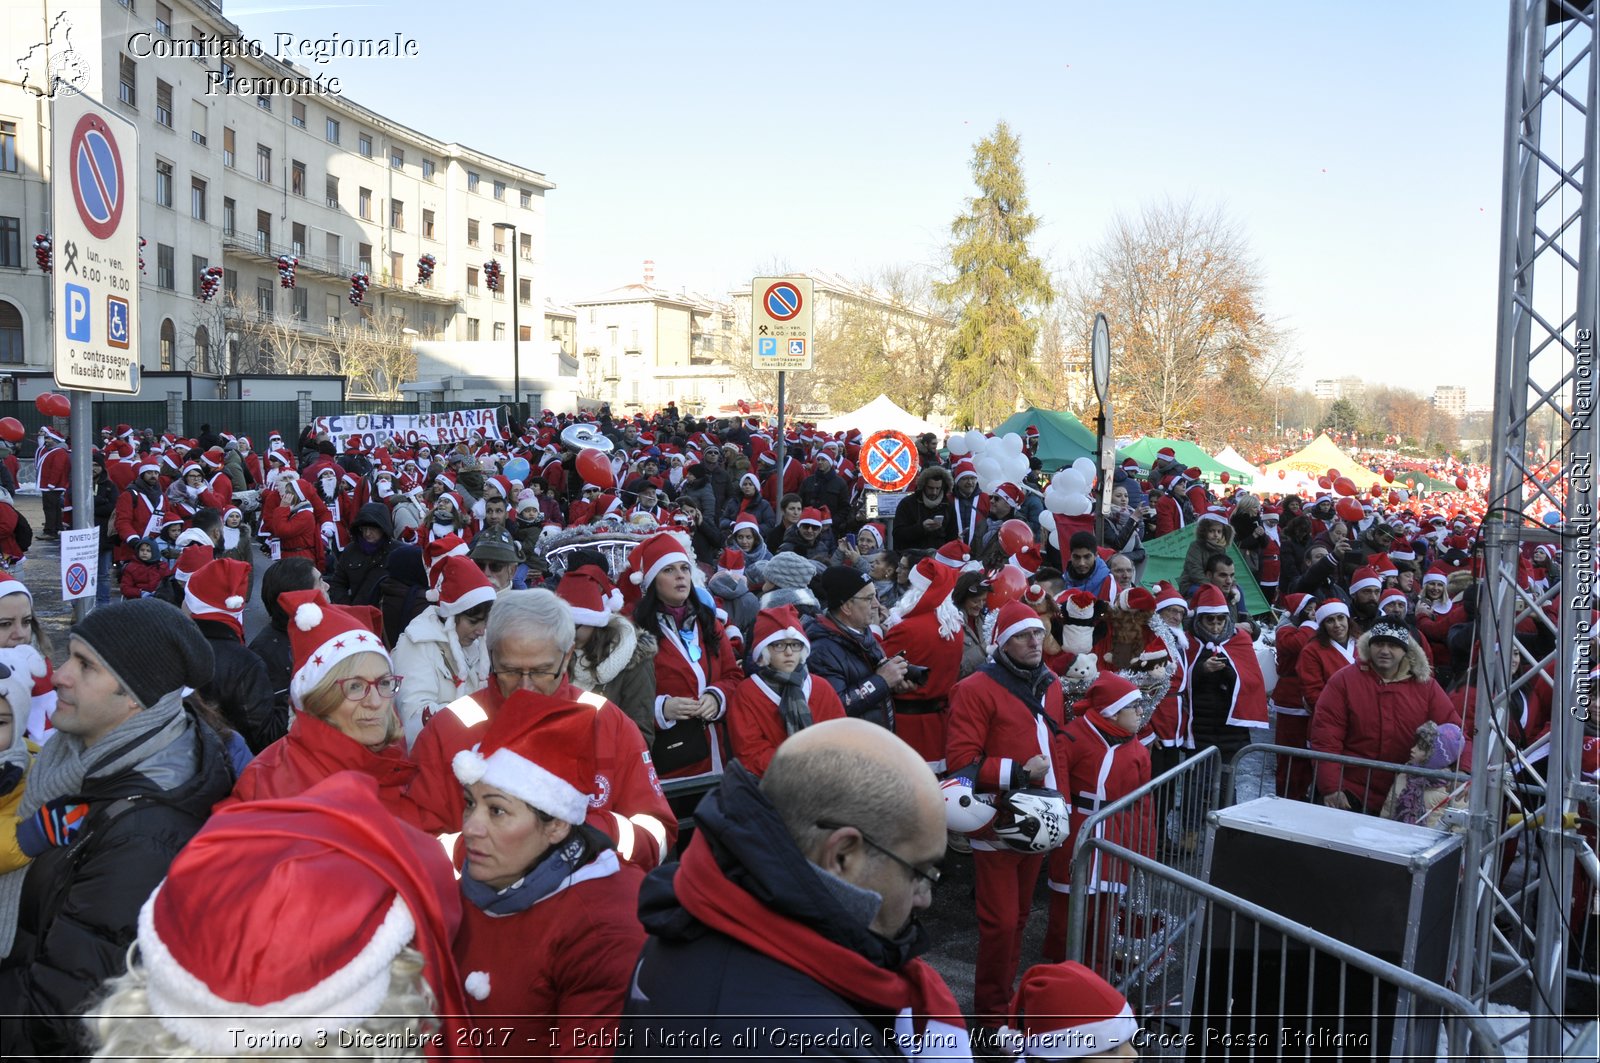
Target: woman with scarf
point(971, 596)
point(1440, 607)
point(781, 697)
point(747, 503)
point(747, 537)
point(449, 516)
point(237, 541)
point(550, 931)
point(1227, 693)
point(1329, 649)
point(1172, 726)
point(441, 654)
point(695, 669)
point(342, 694)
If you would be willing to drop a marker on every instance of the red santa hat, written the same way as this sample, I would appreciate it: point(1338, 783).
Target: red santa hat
point(1136, 600)
point(1296, 604)
point(745, 522)
point(217, 591)
point(811, 515)
point(731, 560)
point(192, 559)
point(1010, 492)
point(963, 469)
point(357, 886)
point(653, 555)
point(1166, 595)
point(1208, 599)
point(212, 456)
point(10, 584)
point(433, 555)
point(460, 586)
point(322, 635)
point(1014, 619)
point(593, 598)
point(1066, 1011)
point(1167, 454)
point(1331, 607)
point(1109, 695)
point(171, 516)
point(777, 624)
point(953, 554)
point(146, 465)
point(1364, 577)
point(1393, 594)
point(540, 750)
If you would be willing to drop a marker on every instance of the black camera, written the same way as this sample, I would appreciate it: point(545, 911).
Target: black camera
point(916, 674)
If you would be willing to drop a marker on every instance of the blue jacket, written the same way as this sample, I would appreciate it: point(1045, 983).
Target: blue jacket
point(1091, 582)
point(849, 662)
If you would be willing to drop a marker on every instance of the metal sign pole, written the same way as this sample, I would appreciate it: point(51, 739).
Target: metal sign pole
point(80, 426)
point(1100, 363)
point(779, 491)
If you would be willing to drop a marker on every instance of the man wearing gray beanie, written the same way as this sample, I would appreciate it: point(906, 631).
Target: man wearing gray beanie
point(126, 781)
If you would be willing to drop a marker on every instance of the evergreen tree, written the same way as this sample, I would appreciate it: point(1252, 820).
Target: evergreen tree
point(998, 287)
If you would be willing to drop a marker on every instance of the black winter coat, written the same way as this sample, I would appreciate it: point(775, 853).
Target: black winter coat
point(692, 980)
point(850, 662)
point(241, 689)
point(80, 903)
point(272, 646)
point(828, 489)
point(355, 577)
point(909, 534)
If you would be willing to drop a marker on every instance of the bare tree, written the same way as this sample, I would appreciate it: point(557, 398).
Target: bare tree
point(376, 356)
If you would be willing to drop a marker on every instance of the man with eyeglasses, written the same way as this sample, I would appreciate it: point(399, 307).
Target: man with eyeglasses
point(791, 924)
point(846, 653)
point(529, 639)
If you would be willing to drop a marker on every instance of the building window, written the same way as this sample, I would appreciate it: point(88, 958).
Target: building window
point(297, 177)
point(197, 199)
point(263, 164)
point(302, 304)
point(226, 69)
point(397, 158)
point(297, 240)
point(163, 104)
point(472, 181)
point(526, 332)
point(127, 88)
point(427, 224)
point(11, 242)
point(500, 190)
point(364, 144)
point(198, 115)
point(527, 199)
point(364, 258)
point(499, 241)
point(8, 147)
point(227, 146)
point(330, 192)
point(263, 230)
point(332, 132)
point(364, 203)
point(165, 275)
point(472, 232)
point(472, 280)
point(202, 350)
point(297, 114)
point(524, 291)
point(264, 102)
point(333, 306)
point(472, 328)
point(197, 269)
point(397, 215)
point(230, 285)
point(169, 340)
point(332, 251)
point(230, 217)
point(525, 246)
point(10, 334)
point(163, 183)
point(427, 169)
point(164, 20)
point(397, 267)
point(263, 297)
point(499, 330)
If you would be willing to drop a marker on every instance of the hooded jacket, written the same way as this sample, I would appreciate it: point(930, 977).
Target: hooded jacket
point(626, 676)
point(241, 688)
point(438, 669)
point(356, 577)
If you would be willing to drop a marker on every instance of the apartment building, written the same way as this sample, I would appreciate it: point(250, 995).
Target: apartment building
point(236, 179)
point(641, 347)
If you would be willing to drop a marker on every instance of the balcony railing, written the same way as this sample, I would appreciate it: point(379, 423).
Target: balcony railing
point(334, 268)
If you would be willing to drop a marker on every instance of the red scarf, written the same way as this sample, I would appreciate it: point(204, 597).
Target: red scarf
point(705, 893)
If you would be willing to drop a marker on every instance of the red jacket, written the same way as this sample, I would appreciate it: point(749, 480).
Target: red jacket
point(10, 549)
point(1289, 643)
point(678, 676)
point(135, 517)
point(1360, 715)
point(55, 472)
point(1097, 768)
point(629, 808)
point(1173, 722)
point(140, 576)
point(313, 750)
point(990, 726)
point(1437, 627)
point(1169, 516)
point(299, 533)
point(920, 716)
point(755, 725)
point(559, 971)
point(1317, 663)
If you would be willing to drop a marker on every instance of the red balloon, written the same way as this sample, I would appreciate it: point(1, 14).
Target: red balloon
point(1324, 483)
point(596, 469)
point(1349, 509)
point(1007, 586)
point(1395, 497)
point(1345, 486)
point(11, 430)
point(53, 404)
point(1282, 475)
point(1015, 535)
point(1388, 476)
point(1375, 490)
point(1333, 474)
point(1223, 477)
point(1461, 483)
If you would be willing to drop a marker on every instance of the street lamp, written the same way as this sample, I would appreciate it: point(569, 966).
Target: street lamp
point(516, 329)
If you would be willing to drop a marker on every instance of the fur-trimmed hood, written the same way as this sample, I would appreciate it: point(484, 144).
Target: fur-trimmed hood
point(627, 644)
point(1413, 667)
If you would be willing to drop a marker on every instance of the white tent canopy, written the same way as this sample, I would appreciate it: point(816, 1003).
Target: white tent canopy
point(882, 412)
point(1236, 461)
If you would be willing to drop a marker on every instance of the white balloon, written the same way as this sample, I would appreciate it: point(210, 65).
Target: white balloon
point(1052, 535)
point(988, 486)
point(1012, 442)
point(1076, 505)
point(1070, 481)
point(957, 445)
point(976, 442)
point(987, 468)
point(1017, 467)
point(1056, 501)
point(1084, 467)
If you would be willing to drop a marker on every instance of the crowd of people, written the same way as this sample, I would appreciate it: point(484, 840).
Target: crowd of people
point(430, 787)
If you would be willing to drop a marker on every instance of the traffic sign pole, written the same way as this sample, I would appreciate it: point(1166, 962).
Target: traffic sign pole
point(779, 489)
point(81, 425)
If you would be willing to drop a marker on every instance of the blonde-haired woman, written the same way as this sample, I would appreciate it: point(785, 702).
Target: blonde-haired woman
point(343, 695)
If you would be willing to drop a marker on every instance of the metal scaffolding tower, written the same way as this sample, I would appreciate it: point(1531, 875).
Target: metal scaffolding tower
point(1514, 938)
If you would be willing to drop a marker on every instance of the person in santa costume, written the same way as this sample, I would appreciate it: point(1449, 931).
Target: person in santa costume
point(550, 929)
point(441, 651)
point(530, 645)
point(336, 928)
point(1003, 719)
point(612, 657)
point(1101, 760)
point(138, 512)
point(53, 462)
point(1442, 606)
point(781, 698)
point(1067, 1011)
point(240, 689)
point(1328, 649)
point(794, 908)
point(1227, 693)
point(295, 517)
point(925, 626)
point(1171, 727)
point(342, 695)
point(1291, 717)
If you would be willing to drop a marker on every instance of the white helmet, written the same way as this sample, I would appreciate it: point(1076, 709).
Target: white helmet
point(1033, 820)
point(964, 811)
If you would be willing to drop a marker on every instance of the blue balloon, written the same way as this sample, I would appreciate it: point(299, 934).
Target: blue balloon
point(517, 469)
point(1552, 518)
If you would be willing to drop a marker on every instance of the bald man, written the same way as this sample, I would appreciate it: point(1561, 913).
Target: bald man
point(790, 923)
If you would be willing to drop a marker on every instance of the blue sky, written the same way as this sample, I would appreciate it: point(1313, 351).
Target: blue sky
point(1356, 144)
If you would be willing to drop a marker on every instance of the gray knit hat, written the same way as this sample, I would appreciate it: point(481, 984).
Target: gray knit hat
point(789, 570)
point(151, 647)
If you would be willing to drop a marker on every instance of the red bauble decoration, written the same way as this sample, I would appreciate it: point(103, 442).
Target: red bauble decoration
point(1015, 535)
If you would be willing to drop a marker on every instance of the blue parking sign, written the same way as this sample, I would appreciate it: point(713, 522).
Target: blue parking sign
point(77, 313)
point(767, 346)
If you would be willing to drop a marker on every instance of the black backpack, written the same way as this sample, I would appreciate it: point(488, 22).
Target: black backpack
point(24, 532)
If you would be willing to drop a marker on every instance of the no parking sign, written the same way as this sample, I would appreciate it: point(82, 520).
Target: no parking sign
point(80, 563)
point(889, 461)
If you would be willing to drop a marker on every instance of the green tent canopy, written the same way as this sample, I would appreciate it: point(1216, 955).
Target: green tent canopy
point(1188, 454)
point(1063, 439)
point(1164, 560)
